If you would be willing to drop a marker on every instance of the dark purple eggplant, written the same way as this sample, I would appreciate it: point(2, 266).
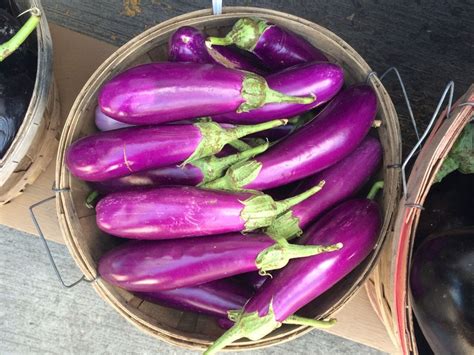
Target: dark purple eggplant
point(187, 44)
point(276, 47)
point(214, 298)
point(331, 136)
point(442, 290)
point(449, 205)
point(355, 224)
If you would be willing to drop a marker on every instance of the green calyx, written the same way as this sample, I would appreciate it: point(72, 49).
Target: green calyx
point(285, 227)
point(279, 254)
point(213, 167)
point(255, 327)
point(256, 93)
point(92, 199)
point(214, 137)
point(237, 176)
point(17, 40)
point(261, 210)
point(461, 155)
point(244, 34)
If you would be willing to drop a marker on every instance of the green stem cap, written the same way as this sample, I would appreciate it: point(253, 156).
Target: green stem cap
point(214, 137)
point(92, 199)
point(239, 145)
point(254, 327)
point(286, 204)
point(374, 189)
point(17, 40)
point(213, 167)
point(279, 254)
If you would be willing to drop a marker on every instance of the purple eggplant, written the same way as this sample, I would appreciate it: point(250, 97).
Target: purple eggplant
point(187, 44)
point(331, 136)
point(163, 92)
point(322, 80)
point(185, 211)
point(254, 279)
point(150, 266)
point(214, 298)
point(276, 47)
point(355, 224)
point(342, 180)
point(192, 174)
point(114, 154)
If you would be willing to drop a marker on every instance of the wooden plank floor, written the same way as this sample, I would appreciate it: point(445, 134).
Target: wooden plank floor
point(431, 42)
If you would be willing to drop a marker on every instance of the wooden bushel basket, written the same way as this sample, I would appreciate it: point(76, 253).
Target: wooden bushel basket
point(37, 139)
point(388, 286)
point(86, 243)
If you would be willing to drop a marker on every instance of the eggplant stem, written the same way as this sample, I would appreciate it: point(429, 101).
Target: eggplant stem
point(294, 251)
point(227, 338)
point(320, 324)
point(286, 204)
point(17, 40)
point(218, 41)
point(91, 199)
point(374, 189)
point(249, 153)
point(241, 146)
point(242, 131)
point(273, 96)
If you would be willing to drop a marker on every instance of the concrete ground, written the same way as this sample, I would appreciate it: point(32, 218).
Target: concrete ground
point(38, 316)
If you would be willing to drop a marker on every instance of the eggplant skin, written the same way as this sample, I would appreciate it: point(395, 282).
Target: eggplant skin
point(442, 290)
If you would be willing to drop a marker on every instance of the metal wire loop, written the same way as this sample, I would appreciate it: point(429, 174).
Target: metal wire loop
point(394, 166)
point(46, 246)
point(449, 88)
point(415, 205)
point(217, 7)
point(57, 189)
point(372, 73)
point(34, 11)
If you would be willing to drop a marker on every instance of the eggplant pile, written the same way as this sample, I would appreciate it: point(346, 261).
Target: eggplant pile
point(17, 71)
point(195, 167)
point(442, 269)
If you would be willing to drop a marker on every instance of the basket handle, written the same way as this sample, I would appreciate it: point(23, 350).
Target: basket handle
point(46, 246)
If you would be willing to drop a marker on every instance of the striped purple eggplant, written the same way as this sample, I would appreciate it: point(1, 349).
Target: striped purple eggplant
point(114, 154)
point(342, 181)
point(163, 92)
point(185, 211)
point(322, 80)
point(328, 138)
point(213, 298)
point(192, 174)
point(187, 44)
point(150, 266)
point(355, 224)
point(276, 47)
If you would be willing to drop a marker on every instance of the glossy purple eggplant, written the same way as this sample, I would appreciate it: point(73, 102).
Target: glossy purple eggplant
point(150, 266)
point(322, 80)
point(214, 298)
point(342, 181)
point(107, 155)
point(163, 92)
point(107, 123)
point(331, 136)
point(187, 44)
point(355, 224)
point(276, 47)
point(253, 279)
point(185, 211)
point(192, 174)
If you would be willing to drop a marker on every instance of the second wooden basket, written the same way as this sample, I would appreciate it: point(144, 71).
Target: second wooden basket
point(86, 243)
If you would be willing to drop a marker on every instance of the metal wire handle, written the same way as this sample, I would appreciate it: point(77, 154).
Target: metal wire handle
point(217, 7)
point(46, 246)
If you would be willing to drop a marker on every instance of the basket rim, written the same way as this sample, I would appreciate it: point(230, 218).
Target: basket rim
point(63, 178)
point(34, 117)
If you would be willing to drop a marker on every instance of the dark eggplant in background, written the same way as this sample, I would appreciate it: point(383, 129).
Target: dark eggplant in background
point(442, 290)
point(17, 75)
